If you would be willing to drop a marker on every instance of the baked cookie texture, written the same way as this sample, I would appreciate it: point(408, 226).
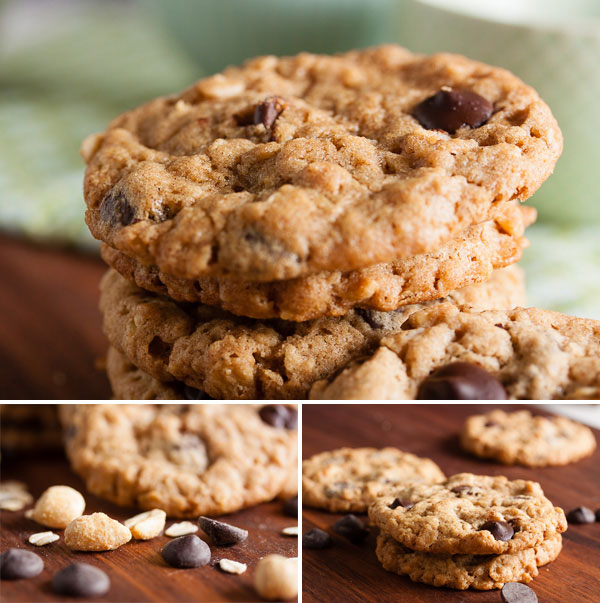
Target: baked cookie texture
point(524, 439)
point(28, 428)
point(189, 460)
point(480, 572)
point(469, 514)
point(286, 167)
point(535, 354)
point(349, 479)
point(467, 259)
point(231, 357)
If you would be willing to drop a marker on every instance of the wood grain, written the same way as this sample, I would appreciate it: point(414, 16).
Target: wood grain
point(136, 570)
point(50, 330)
point(351, 573)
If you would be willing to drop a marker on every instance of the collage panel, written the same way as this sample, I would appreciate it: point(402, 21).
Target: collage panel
point(428, 502)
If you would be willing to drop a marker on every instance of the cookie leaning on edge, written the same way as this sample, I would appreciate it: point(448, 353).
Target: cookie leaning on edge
point(189, 460)
point(524, 353)
point(350, 479)
point(231, 357)
point(289, 166)
point(523, 439)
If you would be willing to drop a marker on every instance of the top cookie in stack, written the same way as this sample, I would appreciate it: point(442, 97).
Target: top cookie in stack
point(302, 187)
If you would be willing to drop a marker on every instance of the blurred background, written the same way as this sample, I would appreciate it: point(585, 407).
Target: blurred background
point(68, 66)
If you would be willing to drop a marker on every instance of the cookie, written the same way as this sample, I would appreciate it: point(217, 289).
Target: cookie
point(467, 259)
point(189, 460)
point(290, 166)
point(28, 428)
point(449, 352)
point(469, 514)
point(520, 438)
point(350, 479)
point(480, 572)
point(231, 357)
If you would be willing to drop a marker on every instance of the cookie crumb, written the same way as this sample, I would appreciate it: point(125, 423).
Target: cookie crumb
point(96, 532)
point(57, 507)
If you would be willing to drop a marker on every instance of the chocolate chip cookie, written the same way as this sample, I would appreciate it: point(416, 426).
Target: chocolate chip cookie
point(520, 438)
point(468, 259)
point(286, 167)
point(189, 460)
point(231, 357)
point(450, 352)
point(469, 514)
point(350, 479)
point(480, 572)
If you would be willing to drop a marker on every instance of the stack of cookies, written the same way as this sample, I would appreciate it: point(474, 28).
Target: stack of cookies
point(276, 223)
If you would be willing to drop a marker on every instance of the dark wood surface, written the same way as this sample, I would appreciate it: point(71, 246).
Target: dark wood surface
point(50, 328)
point(350, 573)
point(136, 570)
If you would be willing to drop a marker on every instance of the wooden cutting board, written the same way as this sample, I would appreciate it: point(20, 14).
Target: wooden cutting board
point(136, 570)
point(351, 573)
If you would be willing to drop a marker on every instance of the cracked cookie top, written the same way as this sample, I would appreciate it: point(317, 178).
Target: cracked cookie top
point(289, 166)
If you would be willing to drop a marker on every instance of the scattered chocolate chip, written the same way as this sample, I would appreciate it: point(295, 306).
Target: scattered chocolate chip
point(19, 563)
point(597, 514)
point(191, 393)
point(500, 530)
point(581, 515)
point(290, 506)
point(186, 551)
point(268, 111)
point(351, 528)
point(450, 110)
point(116, 208)
point(80, 580)
point(398, 502)
point(515, 592)
point(221, 533)
point(460, 489)
point(316, 539)
point(461, 381)
point(279, 415)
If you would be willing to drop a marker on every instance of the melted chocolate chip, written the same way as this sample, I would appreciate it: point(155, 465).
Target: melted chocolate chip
point(370, 317)
point(399, 502)
point(460, 489)
point(515, 592)
point(351, 528)
point(316, 539)
point(500, 530)
point(80, 580)
point(279, 415)
point(191, 393)
point(461, 381)
point(115, 208)
point(581, 515)
point(491, 424)
point(267, 112)
point(220, 533)
point(450, 110)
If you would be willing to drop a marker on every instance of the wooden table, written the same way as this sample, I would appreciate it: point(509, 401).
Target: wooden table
point(50, 327)
point(350, 573)
point(136, 570)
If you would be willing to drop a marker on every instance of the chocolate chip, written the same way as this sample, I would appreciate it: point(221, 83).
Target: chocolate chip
point(290, 506)
point(191, 393)
point(460, 489)
point(186, 551)
point(80, 580)
point(399, 502)
point(351, 528)
point(491, 424)
point(581, 515)
point(19, 563)
point(116, 208)
point(500, 530)
point(316, 539)
point(450, 110)
point(597, 514)
point(461, 381)
point(267, 112)
point(279, 415)
point(221, 533)
point(515, 592)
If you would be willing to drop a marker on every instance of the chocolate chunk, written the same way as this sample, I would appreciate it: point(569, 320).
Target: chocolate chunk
point(267, 112)
point(500, 530)
point(80, 580)
point(581, 515)
point(515, 592)
point(460, 489)
point(399, 502)
point(221, 533)
point(186, 551)
point(279, 415)
point(316, 539)
point(450, 110)
point(290, 506)
point(116, 208)
point(19, 563)
point(191, 393)
point(351, 528)
point(461, 381)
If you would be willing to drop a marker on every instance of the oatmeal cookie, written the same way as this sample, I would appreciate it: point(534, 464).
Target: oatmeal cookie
point(350, 479)
point(289, 166)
